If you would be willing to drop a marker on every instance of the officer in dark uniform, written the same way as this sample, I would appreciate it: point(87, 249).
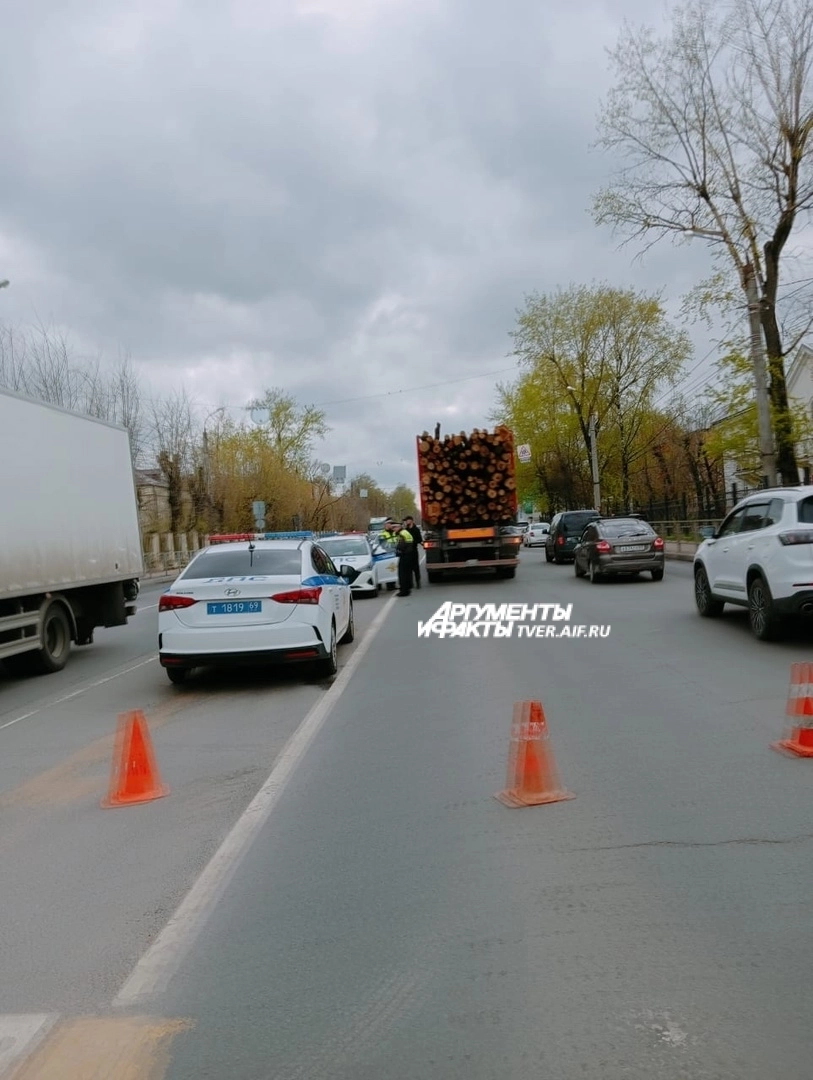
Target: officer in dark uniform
point(401, 540)
point(417, 538)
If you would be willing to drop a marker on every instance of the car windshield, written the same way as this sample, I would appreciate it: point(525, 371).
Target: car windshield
point(626, 528)
point(348, 547)
point(222, 562)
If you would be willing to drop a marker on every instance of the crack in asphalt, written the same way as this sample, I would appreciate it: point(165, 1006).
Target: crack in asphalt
point(701, 843)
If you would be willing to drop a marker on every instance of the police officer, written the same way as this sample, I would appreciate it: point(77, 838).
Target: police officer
point(401, 540)
point(417, 538)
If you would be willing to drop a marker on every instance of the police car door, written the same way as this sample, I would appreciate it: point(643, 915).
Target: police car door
point(338, 590)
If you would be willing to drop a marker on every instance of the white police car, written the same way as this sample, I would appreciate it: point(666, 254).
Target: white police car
point(354, 549)
point(256, 602)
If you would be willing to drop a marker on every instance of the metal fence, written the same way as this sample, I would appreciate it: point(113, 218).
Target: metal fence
point(687, 508)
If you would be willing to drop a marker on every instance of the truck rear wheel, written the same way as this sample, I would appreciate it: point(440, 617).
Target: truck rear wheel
point(506, 571)
point(434, 576)
point(56, 640)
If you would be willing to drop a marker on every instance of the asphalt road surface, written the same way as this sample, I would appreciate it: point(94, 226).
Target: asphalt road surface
point(378, 914)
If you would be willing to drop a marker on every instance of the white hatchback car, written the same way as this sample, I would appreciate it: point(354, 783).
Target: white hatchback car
point(761, 558)
point(255, 603)
point(536, 534)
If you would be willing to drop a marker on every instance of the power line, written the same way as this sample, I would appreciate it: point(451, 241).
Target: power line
point(363, 397)
point(411, 389)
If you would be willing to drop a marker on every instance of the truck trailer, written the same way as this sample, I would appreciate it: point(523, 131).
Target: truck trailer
point(70, 543)
point(468, 492)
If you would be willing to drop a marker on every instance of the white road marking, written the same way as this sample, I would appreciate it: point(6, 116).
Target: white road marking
point(161, 961)
point(77, 693)
point(20, 1034)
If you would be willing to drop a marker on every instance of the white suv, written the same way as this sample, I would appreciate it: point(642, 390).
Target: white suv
point(761, 558)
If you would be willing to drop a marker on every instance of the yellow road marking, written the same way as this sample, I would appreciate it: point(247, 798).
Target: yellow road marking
point(130, 1048)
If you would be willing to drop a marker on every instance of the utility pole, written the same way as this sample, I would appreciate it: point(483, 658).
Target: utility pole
point(766, 445)
point(594, 463)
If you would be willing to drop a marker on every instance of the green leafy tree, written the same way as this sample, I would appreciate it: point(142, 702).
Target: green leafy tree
point(595, 351)
point(735, 434)
point(291, 429)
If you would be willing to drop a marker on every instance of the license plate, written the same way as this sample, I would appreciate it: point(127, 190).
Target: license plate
point(235, 607)
point(633, 547)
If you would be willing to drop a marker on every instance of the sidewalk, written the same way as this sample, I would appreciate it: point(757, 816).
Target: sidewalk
point(681, 550)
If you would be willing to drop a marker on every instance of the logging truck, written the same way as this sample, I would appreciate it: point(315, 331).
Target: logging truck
point(468, 490)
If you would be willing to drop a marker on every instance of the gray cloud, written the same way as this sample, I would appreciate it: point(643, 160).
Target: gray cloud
point(339, 199)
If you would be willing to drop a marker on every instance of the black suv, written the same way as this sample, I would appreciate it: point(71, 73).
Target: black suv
point(565, 531)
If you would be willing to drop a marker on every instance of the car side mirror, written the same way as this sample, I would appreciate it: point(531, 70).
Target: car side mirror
point(349, 573)
point(708, 532)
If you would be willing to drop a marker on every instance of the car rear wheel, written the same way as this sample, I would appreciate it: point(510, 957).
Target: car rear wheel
point(330, 665)
point(657, 575)
point(577, 568)
point(177, 675)
point(595, 575)
point(548, 556)
point(350, 632)
point(708, 607)
point(761, 613)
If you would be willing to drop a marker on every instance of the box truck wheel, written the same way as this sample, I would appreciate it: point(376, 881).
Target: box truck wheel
point(56, 639)
point(434, 576)
point(506, 571)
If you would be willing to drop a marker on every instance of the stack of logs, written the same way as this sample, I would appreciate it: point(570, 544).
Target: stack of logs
point(467, 478)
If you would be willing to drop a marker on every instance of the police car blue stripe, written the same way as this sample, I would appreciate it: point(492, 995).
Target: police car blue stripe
point(323, 579)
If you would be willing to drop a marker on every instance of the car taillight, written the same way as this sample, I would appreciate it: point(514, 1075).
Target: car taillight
point(657, 543)
point(603, 547)
point(802, 536)
point(299, 596)
point(170, 602)
point(560, 540)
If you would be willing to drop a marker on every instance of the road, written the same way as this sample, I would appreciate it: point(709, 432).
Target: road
point(389, 917)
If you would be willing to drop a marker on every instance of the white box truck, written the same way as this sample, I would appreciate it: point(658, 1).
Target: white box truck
point(70, 543)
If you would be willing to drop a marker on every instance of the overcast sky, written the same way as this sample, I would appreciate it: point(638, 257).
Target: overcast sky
point(341, 198)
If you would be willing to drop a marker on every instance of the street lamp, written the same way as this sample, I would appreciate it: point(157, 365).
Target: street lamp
point(591, 433)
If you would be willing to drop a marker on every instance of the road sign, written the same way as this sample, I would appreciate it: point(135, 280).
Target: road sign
point(363, 493)
point(524, 452)
point(258, 509)
point(259, 524)
point(340, 473)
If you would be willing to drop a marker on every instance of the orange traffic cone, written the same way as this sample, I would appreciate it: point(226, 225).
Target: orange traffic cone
point(799, 741)
point(532, 776)
point(134, 777)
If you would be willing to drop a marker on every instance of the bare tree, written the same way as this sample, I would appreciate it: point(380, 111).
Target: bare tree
point(172, 433)
point(715, 121)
